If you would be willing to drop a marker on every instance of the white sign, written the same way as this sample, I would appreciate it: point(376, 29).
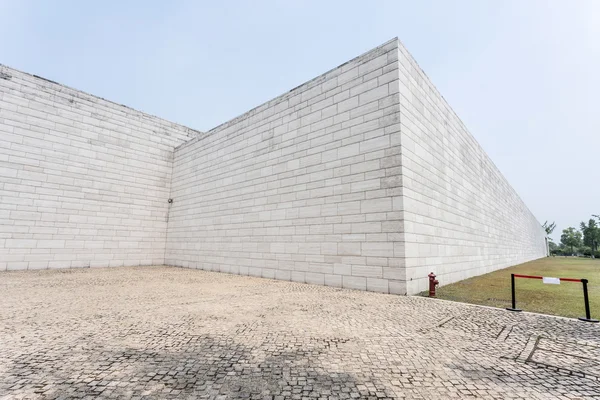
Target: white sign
point(552, 281)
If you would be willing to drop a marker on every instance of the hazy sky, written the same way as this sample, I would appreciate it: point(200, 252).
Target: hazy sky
point(523, 75)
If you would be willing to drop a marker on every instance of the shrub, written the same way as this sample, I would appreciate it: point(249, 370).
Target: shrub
point(584, 251)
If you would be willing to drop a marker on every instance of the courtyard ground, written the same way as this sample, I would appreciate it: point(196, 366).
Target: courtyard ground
point(160, 332)
point(566, 299)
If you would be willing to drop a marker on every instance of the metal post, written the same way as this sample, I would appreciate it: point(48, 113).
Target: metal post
point(586, 300)
point(512, 289)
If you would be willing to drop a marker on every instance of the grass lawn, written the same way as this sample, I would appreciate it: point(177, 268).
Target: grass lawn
point(566, 299)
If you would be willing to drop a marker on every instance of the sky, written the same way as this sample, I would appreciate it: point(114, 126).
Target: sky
point(523, 75)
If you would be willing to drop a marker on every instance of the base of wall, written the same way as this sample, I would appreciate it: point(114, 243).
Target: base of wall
point(34, 265)
point(386, 286)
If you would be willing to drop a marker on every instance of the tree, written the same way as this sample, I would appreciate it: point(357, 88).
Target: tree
point(552, 247)
point(591, 234)
point(549, 228)
point(571, 238)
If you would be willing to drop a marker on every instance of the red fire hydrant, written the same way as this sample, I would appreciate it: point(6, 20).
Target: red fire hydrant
point(432, 284)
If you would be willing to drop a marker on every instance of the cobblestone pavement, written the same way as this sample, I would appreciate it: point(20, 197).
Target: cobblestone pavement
point(161, 332)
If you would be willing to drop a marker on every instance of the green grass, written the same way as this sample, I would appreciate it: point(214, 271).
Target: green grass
point(566, 299)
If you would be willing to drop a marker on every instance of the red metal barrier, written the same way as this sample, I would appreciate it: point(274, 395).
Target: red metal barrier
point(586, 300)
point(541, 277)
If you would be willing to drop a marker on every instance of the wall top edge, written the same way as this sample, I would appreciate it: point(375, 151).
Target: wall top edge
point(384, 47)
point(7, 73)
point(409, 57)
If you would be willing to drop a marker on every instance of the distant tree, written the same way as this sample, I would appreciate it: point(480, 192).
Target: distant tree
point(563, 250)
point(571, 238)
point(591, 234)
point(549, 228)
point(552, 247)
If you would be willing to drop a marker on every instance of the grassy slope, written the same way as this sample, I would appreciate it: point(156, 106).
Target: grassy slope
point(566, 299)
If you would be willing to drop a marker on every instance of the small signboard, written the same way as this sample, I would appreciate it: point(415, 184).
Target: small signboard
point(552, 281)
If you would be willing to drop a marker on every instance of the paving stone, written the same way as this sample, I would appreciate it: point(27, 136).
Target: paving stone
point(163, 332)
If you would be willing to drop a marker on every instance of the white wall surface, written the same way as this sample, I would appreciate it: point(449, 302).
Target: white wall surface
point(302, 188)
point(461, 217)
point(361, 178)
point(83, 181)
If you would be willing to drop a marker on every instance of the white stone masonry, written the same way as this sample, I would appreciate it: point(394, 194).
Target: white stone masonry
point(361, 178)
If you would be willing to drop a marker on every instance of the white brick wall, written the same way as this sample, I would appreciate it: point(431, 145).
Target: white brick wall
point(83, 181)
point(361, 178)
point(301, 188)
point(461, 217)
